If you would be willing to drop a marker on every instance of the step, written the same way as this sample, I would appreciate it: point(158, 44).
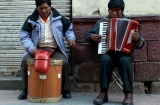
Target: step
point(15, 83)
point(10, 83)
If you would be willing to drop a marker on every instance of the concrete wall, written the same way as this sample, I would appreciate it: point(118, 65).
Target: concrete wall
point(146, 66)
point(132, 7)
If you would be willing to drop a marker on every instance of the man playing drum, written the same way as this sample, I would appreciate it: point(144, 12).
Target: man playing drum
point(45, 29)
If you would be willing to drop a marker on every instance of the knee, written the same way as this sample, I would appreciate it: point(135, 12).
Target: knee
point(24, 60)
point(65, 62)
point(124, 60)
point(64, 59)
point(105, 58)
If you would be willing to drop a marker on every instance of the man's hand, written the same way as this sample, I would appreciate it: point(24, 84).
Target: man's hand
point(95, 37)
point(34, 51)
point(72, 43)
point(136, 35)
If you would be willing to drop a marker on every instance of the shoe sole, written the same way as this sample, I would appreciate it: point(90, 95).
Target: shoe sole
point(22, 98)
point(99, 103)
point(127, 103)
point(67, 97)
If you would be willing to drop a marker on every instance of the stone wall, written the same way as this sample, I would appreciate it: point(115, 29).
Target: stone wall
point(146, 66)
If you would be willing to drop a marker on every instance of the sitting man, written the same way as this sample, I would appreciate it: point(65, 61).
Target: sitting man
point(45, 29)
point(115, 58)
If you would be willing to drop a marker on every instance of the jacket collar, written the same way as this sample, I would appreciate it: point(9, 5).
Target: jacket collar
point(35, 15)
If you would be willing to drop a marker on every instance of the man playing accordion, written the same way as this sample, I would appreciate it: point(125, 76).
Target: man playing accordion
point(112, 59)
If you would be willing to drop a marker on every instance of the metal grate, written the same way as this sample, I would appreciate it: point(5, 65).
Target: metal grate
point(13, 13)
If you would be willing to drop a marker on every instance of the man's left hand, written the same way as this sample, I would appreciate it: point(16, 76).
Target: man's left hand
point(136, 35)
point(72, 43)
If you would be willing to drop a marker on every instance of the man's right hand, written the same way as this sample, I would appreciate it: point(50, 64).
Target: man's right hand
point(34, 51)
point(95, 38)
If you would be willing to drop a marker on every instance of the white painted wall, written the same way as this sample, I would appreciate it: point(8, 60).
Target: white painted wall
point(132, 7)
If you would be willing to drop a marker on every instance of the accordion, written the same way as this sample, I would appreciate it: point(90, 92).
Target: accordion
point(116, 35)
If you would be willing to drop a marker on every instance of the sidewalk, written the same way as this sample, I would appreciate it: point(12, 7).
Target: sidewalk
point(9, 97)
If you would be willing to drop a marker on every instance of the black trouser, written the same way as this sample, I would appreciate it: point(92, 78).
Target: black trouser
point(124, 64)
point(65, 69)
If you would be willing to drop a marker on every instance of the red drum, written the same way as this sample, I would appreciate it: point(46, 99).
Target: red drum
point(45, 87)
point(42, 60)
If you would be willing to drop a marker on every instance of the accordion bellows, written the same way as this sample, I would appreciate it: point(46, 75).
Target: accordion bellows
point(117, 35)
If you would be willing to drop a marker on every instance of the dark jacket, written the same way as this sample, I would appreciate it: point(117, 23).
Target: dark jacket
point(95, 30)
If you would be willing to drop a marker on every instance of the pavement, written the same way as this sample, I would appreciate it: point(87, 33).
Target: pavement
point(9, 97)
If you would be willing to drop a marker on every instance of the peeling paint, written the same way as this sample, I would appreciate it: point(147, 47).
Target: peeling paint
point(85, 7)
point(96, 12)
point(132, 7)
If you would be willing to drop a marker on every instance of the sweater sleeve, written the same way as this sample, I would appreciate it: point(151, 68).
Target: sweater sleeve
point(93, 30)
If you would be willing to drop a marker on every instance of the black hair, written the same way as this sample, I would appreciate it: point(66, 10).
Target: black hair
point(116, 4)
point(39, 2)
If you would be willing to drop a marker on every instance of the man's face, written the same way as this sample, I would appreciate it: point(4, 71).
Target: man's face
point(115, 12)
point(44, 10)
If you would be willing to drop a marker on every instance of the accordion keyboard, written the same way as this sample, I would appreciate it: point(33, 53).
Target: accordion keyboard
point(102, 46)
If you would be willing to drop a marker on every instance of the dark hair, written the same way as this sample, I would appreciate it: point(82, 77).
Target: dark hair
point(39, 2)
point(116, 4)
